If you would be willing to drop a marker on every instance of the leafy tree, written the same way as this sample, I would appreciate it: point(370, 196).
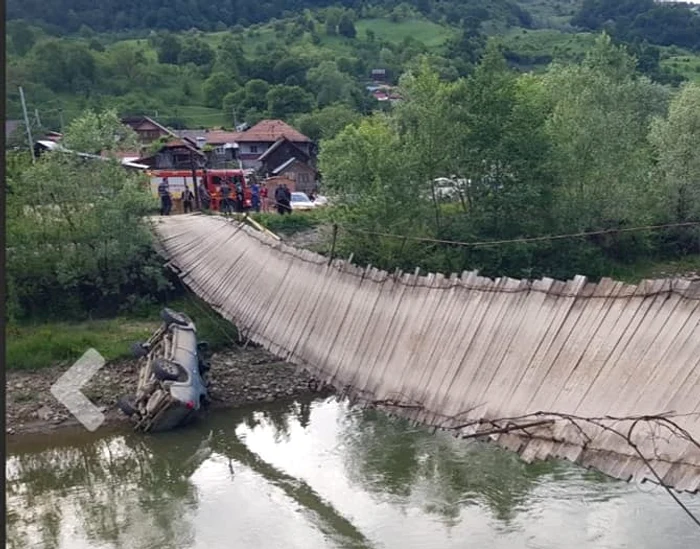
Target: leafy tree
point(326, 122)
point(332, 18)
point(77, 241)
point(168, 48)
point(64, 66)
point(127, 61)
point(196, 51)
point(284, 101)
point(598, 128)
point(216, 87)
point(290, 71)
point(346, 27)
point(329, 83)
point(21, 35)
point(676, 142)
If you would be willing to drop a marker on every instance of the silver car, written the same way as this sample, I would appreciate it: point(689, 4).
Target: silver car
point(172, 386)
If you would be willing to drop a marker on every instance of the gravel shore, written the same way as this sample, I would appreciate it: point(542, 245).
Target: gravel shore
point(237, 377)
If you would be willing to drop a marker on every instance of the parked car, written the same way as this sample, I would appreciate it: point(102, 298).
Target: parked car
point(301, 201)
point(172, 385)
point(320, 201)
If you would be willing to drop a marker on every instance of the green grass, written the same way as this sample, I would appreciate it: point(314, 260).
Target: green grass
point(542, 42)
point(431, 34)
point(35, 346)
point(290, 224)
point(686, 65)
point(204, 117)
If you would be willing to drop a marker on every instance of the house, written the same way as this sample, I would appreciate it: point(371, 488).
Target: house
point(304, 177)
point(281, 151)
point(176, 154)
point(255, 141)
point(378, 75)
point(221, 148)
point(147, 129)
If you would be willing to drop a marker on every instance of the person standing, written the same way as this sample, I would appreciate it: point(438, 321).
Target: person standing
point(279, 199)
point(265, 200)
point(287, 199)
point(225, 197)
point(204, 196)
point(240, 199)
point(255, 197)
point(166, 201)
point(187, 199)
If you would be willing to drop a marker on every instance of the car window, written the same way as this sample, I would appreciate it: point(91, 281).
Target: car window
point(299, 197)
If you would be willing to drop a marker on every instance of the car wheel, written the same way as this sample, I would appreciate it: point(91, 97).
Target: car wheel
point(126, 405)
point(138, 350)
point(164, 370)
point(173, 317)
point(204, 366)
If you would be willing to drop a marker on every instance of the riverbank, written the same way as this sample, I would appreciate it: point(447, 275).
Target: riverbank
point(238, 376)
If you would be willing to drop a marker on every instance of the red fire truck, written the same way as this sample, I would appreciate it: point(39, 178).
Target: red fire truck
point(177, 179)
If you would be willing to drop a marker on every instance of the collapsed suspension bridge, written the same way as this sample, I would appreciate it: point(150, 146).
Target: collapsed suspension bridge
point(605, 375)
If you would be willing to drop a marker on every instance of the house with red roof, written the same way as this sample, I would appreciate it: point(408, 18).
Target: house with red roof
point(255, 141)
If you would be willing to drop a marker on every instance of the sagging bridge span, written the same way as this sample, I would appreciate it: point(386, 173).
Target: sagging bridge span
point(605, 375)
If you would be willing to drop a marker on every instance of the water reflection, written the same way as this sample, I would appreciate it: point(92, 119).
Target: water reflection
point(389, 456)
point(316, 474)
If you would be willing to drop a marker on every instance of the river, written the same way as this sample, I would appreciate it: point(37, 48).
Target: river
point(316, 474)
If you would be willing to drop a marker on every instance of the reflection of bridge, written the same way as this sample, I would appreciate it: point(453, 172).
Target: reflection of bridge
point(573, 364)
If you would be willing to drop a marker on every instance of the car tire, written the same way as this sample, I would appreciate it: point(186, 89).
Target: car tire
point(138, 350)
point(165, 370)
point(173, 317)
point(126, 405)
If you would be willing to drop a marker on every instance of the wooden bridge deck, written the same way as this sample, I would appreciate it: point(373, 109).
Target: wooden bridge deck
point(547, 368)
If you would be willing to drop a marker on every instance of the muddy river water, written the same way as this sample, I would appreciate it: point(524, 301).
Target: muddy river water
point(316, 474)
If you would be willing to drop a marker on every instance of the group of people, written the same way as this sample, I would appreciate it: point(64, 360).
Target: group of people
point(283, 199)
point(231, 197)
point(166, 199)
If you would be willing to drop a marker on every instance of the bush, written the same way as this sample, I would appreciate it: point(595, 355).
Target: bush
point(77, 242)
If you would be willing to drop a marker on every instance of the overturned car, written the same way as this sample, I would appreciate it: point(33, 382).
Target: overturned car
point(172, 382)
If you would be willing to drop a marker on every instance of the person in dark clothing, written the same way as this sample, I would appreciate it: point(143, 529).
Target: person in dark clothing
point(225, 197)
point(287, 199)
point(240, 202)
point(166, 201)
point(187, 199)
point(204, 196)
point(279, 199)
point(255, 197)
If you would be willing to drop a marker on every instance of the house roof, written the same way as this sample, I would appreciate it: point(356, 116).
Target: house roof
point(282, 167)
point(269, 131)
point(219, 137)
point(279, 169)
point(192, 134)
point(277, 144)
point(136, 121)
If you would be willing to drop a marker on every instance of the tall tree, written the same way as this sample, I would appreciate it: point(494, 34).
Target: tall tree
point(676, 141)
point(601, 111)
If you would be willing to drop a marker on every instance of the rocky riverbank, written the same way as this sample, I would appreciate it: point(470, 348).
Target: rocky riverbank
point(237, 377)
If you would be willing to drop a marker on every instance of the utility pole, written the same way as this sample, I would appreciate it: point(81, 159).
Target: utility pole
point(38, 120)
point(194, 180)
point(26, 123)
point(60, 115)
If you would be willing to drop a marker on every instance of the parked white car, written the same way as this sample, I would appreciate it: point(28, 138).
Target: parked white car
point(321, 201)
point(301, 201)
